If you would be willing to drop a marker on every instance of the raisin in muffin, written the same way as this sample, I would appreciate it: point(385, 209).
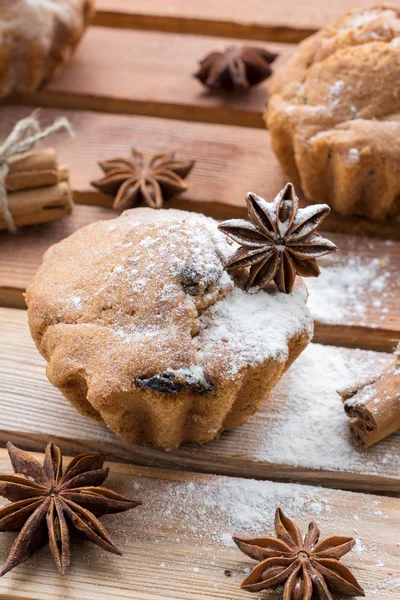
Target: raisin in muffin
point(145, 331)
point(37, 37)
point(334, 114)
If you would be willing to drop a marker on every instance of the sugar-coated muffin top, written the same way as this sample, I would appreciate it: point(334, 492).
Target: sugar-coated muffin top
point(334, 113)
point(147, 293)
point(37, 37)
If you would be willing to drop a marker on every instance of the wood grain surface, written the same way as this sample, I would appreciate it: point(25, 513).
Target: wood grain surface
point(288, 21)
point(360, 311)
point(301, 433)
point(178, 543)
point(22, 253)
point(109, 74)
point(230, 161)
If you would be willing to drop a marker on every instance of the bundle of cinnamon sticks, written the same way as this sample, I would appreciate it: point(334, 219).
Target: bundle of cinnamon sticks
point(37, 187)
point(374, 405)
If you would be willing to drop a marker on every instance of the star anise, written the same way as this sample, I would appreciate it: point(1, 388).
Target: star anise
point(306, 568)
point(46, 503)
point(279, 241)
point(137, 180)
point(236, 68)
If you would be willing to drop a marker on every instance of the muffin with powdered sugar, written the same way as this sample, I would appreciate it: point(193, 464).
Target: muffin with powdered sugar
point(334, 114)
point(37, 38)
point(146, 330)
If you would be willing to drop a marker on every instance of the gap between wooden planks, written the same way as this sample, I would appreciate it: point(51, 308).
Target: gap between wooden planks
point(368, 317)
point(284, 21)
point(230, 161)
point(301, 434)
point(151, 73)
point(177, 544)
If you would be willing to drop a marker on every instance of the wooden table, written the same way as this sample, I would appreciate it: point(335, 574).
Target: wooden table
point(131, 84)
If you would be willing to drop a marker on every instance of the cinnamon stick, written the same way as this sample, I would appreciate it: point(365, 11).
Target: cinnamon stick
point(32, 170)
point(40, 205)
point(38, 189)
point(374, 406)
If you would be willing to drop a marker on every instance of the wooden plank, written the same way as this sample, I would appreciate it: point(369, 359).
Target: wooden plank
point(178, 543)
point(301, 434)
point(286, 21)
point(21, 253)
point(230, 161)
point(354, 302)
point(148, 73)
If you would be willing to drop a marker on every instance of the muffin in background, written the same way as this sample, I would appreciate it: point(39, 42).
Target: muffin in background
point(334, 114)
point(144, 330)
point(37, 39)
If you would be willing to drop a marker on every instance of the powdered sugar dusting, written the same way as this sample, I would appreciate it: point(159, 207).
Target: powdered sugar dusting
point(201, 516)
point(353, 156)
point(154, 282)
point(215, 511)
point(366, 17)
point(343, 291)
point(311, 428)
point(35, 18)
point(252, 327)
point(337, 88)
point(247, 326)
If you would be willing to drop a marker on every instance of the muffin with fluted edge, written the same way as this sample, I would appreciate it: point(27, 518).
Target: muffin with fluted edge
point(334, 114)
point(146, 331)
point(37, 38)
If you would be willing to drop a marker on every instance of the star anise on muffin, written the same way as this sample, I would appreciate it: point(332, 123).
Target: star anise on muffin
point(279, 242)
point(307, 568)
point(236, 68)
point(47, 503)
point(138, 180)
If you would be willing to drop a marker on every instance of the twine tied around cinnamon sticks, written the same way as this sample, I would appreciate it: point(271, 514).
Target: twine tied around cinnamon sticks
point(23, 138)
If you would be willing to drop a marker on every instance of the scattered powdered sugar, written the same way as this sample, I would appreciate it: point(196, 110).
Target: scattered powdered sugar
point(215, 511)
point(353, 156)
point(251, 327)
point(342, 292)
point(227, 540)
point(334, 94)
point(337, 88)
point(205, 513)
point(186, 527)
point(160, 274)
point(358, 548)
point(365, 17)
point(241, 327)
point(77, 301)
point(35, 18)
point(310, 428)
point(194, 373)
point(305, 215)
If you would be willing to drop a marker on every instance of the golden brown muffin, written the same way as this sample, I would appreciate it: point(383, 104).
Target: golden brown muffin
point(334, 114)
point(37, 37)
point(144, 330)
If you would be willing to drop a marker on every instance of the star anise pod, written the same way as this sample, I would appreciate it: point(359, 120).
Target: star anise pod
point(46, 503)
point(306, 568)
point(236, 68)
point(137, 180)
point(279, 241)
